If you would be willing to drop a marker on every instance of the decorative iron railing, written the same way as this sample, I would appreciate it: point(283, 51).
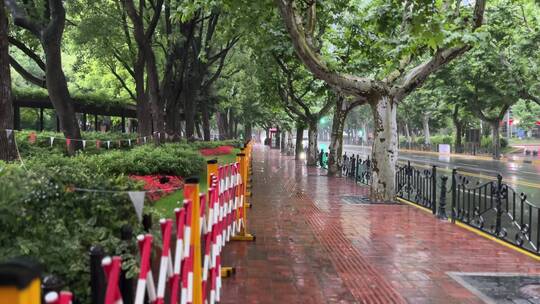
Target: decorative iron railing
point(497, 209)
point(417, 186)
point(492, 207)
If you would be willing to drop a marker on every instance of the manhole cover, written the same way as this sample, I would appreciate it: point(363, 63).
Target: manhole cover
point(501, 287)
point(362, 200)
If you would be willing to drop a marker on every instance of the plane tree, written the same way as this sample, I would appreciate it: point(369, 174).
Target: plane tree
point(397, 46)
point(305, 99)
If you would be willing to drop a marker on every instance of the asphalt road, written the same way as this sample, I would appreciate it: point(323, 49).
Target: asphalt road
point(522, 177)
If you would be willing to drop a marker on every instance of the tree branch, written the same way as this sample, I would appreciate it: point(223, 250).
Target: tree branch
point(291, 92)
point(122, 82)
point(155, 19)
point(55, 28)
point(40, 82)
point(286, 102)
point(230, 44)
point(420, 73)
point(350, 84)
point(21, 19)
point(30, 53)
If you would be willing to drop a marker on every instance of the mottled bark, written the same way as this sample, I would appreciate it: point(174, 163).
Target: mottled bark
point(312, 153)
point(336, 138)
point(407, 133)
point(7, 145)
point(384, 152)
point(425, 122)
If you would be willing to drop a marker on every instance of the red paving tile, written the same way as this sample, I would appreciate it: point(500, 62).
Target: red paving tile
point(312, 248)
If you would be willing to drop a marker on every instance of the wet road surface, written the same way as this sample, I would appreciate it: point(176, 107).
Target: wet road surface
point(522, 177)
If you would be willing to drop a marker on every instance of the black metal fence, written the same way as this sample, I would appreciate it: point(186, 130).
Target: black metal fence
point(419, 186)
point(492, 207)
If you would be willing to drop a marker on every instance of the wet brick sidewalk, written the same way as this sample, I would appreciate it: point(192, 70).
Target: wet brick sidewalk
point(312, 247)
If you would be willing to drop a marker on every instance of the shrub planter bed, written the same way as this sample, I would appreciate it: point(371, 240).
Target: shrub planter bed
point(221, 150)
point(161, 185)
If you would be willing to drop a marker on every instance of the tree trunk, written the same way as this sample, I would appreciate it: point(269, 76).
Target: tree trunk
point(222, 125)
point(496, 141)
point(205, 120)
point(189, 112)
point(235, 129)
point(283, 138)
point(336, 138)
point(427, 137)
point(144, 114)
point(299, 147)
point(230, 124)
point(173, 119)
point(384, 152)
point(247, 130)
point(289, 144)
point(7, 145)
point(408, 134)
point(313, 147)
point(199, 132)
point(458, 140)
point(156, 102)
point(58, 91)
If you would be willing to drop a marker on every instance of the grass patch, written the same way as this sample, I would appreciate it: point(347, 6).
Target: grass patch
point(165, 206)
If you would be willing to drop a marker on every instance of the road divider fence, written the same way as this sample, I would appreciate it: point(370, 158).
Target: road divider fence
point(493, 207)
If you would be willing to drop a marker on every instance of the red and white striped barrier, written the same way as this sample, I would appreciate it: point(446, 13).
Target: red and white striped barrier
point(180, 214)
point(165, 266)
point(111, 267)
point(146, 281)
point(65, 297)
point(219, 219)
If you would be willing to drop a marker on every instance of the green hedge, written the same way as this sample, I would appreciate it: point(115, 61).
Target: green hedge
point(173, 159)
point(41, 218)
point(450, 139)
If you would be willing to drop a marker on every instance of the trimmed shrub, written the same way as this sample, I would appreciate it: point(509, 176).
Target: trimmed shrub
point(41, 217)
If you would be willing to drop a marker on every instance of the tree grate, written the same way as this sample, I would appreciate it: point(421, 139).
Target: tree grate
point(363, 200)
point(501, 287)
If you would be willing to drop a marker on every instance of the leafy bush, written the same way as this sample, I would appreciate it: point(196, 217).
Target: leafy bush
point(43, 145)
point(42, 218)
point(214, 144)
point(436, 139)
point(487, 142)
point(170, 159)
